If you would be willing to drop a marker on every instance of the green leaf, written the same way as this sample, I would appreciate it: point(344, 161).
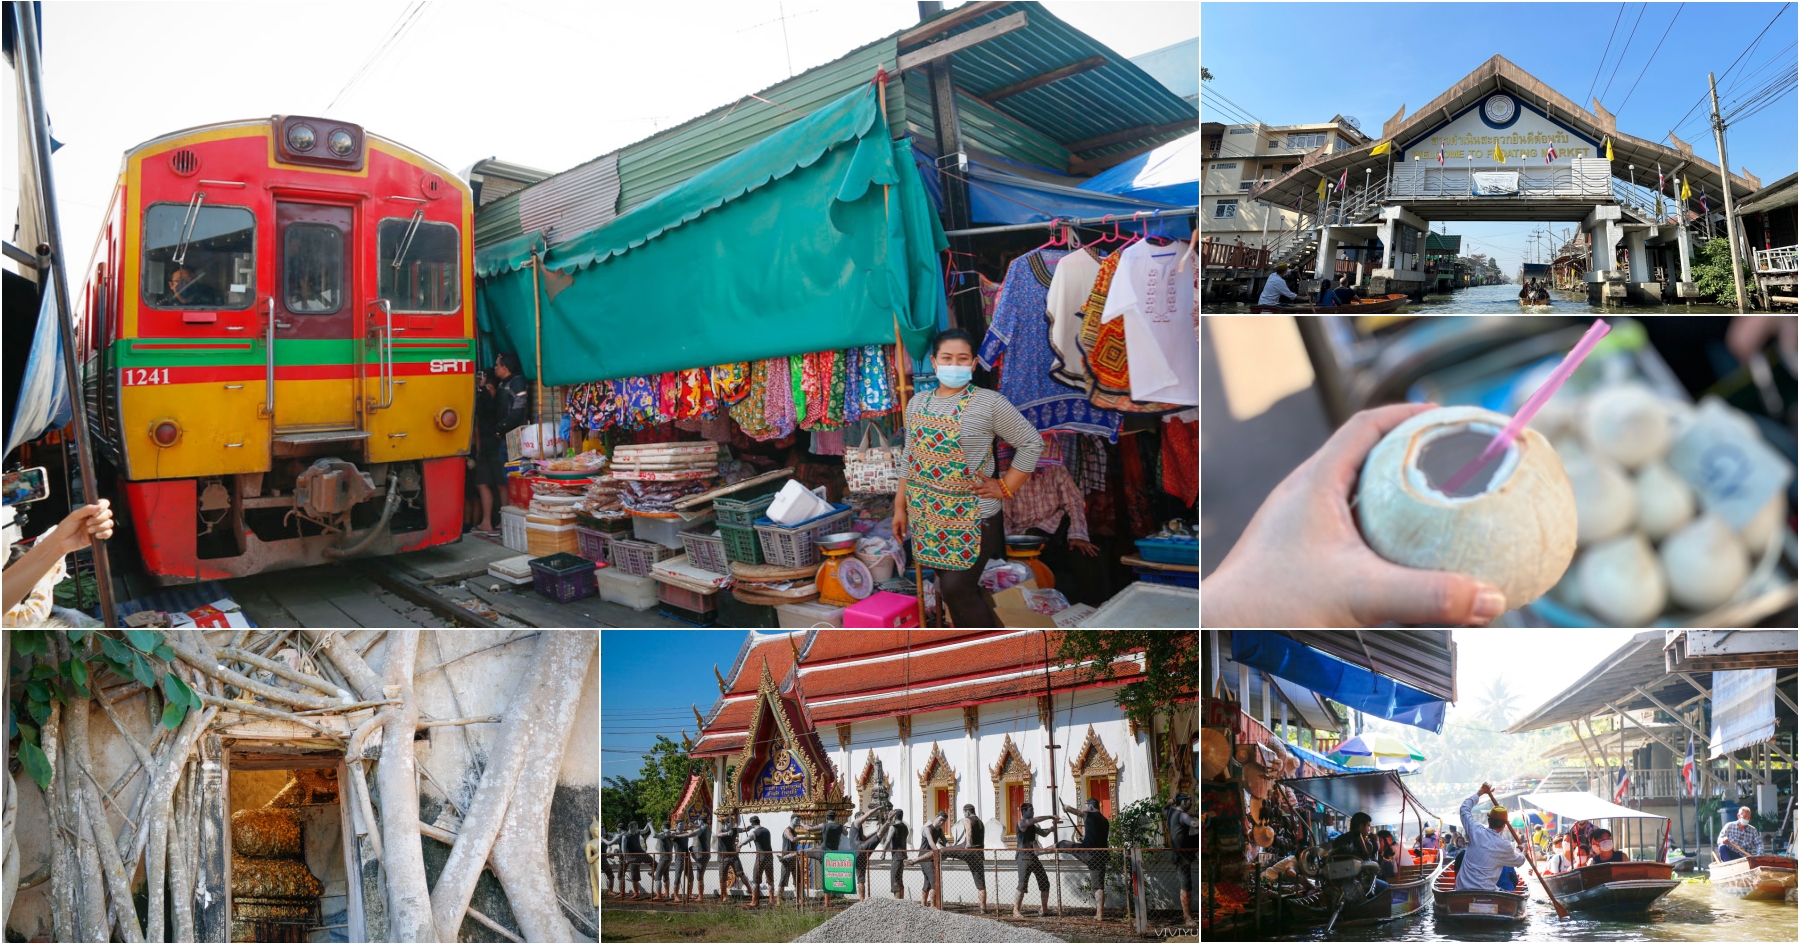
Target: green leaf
point(78, 671)
point(164, 653)
point(39, 710)
point(39, 691)
point(77, 635)
point(27, 732)
point(43, 671)
point(29, 642)
point(56, 691)
point(173, 713)
point(140, 671)
point(118, 652)
point(37, 764)
point(144, 640)
point(178, 692)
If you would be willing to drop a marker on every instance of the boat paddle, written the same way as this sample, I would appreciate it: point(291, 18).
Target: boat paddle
point(1561, 912)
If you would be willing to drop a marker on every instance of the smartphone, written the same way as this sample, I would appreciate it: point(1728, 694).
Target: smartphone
point(27, 485)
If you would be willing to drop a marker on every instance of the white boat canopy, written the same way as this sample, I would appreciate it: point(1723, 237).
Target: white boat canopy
point(1580, 805)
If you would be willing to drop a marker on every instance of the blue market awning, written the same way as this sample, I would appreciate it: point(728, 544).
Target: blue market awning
point(1168, 173)
point(1317, 760)
point(1004, 192)
point(1329, 676)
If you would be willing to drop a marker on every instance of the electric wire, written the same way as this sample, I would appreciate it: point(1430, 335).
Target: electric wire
point(1703, 95)
point(1647, 62)
point(1602, 63)
point(1219, 97)
point(409, 18)
point(1626, 49)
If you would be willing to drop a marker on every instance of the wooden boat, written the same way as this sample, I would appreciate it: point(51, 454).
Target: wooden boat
point(1623, 886)
point(1369, 306)
point(1408, 893)
point(1490, 906)
point(1754, 877)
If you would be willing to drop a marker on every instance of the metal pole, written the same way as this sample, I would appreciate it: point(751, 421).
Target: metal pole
point(1737, 277)
point(31, 75)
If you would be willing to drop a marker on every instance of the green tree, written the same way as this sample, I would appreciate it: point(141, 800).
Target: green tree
point(1711, 270)
point(618, 803)
point(1171, 660)
point(1205, 76)
point(1498, 704)
point(664, 775)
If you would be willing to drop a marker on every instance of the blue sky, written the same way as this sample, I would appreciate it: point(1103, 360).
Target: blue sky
point(1266, 59)
point(648, 680)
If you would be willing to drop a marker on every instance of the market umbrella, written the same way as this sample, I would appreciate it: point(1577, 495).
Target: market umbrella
point(1375, 762)
point(1378, 745)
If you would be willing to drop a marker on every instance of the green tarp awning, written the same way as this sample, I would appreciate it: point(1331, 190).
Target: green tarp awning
point(809, 240)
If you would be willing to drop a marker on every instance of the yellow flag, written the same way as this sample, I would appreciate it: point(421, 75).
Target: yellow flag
point(1382, 148)
point(1321, 189)
point(1609, 149)
point(1499, 155)
point(1686, 194)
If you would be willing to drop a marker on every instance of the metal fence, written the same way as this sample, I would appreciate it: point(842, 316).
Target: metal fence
point(1138, 881)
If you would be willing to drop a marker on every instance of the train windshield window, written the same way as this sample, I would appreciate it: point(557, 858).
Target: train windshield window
point(199, 260)
point(313, 268)
point(427, 279)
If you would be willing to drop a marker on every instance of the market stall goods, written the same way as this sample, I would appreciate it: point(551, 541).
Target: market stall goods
point(1621, 582)
point(1605, 501)
point(1627, 423)
point(1705, 562)
point(1512, 526)
point(1664, 500)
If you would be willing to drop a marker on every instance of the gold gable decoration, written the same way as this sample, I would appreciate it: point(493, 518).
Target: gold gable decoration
point(937, 773)
point(1093, 761)
point(822, 789)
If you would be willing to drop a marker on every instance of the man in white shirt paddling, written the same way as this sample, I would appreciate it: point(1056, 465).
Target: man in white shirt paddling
point(1490, 860)
point(1276, 288)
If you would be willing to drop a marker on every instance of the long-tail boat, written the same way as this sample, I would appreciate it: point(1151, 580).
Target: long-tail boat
point(1489, 906)
point(1369, 306)
point(1754, 877)
point(1632, 885)
point(1385, 798)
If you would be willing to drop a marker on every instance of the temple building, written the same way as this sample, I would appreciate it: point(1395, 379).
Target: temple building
point(817, 720)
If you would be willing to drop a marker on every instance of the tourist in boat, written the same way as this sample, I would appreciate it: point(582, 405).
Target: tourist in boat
point(1344, 294)
point(1602, 849)
point(1276, 288)
point(1492, 859)
point(1327, 295)
point(1739, 839)
point(1560, 860)
point(1360, 842)
point(1388, 851)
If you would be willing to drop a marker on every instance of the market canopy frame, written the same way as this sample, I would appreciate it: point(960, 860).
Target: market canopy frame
point(1580, 805)
point(1380, 794)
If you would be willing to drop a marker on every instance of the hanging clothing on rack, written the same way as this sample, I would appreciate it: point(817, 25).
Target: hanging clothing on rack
point(1090, 468)
point(1104, 353)
point(1021, 331)
point(1155, 303)
point(990, 294)
point(1070, 287)
point(877, 380)
point(731, 382)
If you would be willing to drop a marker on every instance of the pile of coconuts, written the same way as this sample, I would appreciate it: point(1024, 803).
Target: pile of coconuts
point(1645, 543)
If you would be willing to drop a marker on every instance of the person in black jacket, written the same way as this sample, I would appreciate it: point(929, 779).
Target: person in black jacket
point(765, 862)
point(897, 831)
point(1091, 836)
point(508, 404)
point(970, 848)
point(1185, 845)
point(729, 864)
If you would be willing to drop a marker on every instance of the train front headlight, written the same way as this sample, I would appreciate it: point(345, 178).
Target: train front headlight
point(341, 143)
point(447, 419)
point(301, 138)
point(165, 433)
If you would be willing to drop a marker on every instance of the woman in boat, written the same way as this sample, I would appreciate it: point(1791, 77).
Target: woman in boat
point(1602, 847)
point(1560, 861)
point(1388, 851)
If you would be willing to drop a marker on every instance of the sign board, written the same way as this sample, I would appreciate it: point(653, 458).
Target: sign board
point(1223, 713)
point(1522, 132)
point(840, 872)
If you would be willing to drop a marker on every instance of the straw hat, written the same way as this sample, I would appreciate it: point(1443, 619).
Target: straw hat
point(1263, 836)
point(1215, 752)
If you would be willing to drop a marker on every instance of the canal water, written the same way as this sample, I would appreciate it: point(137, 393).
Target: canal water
point(1692, 912)
point(1504, 300)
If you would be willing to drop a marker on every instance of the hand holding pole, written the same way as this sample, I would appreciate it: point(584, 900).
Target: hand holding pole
point(1561, 912)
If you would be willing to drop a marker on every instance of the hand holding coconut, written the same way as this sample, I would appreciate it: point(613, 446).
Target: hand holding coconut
point(1303, 563)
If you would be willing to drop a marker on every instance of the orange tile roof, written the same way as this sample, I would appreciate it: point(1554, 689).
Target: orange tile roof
point(857, 644)
point(955, 696)
point(1002, 654)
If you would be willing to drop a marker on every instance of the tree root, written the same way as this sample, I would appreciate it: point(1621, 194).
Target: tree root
point(211, 667)
point(255, 709)
point(410, 916)
point(283, 670)
point(350, 663)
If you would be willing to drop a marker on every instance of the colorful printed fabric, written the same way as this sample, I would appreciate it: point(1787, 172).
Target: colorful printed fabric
point(990, 294)
point(834, 397)
point(694, 394)
point(815, 382)
point(639, 399)
point(797, 385)
point(853, 368)
point(749, 410)
point(943, 510)
point(1021, 331)
point(1103, 349)
point(1181, 460)
point(731, 382)
point(877, 381)
point(778, 399)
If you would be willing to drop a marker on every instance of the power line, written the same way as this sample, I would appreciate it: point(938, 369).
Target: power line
point(409, 18)
point(1602, 63)
point(1622, 52)
point(1240, 108)
point(1697, 102)
point(1647, 62)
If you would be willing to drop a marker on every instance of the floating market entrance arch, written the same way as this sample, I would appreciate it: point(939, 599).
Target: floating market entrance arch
point(1500, 145)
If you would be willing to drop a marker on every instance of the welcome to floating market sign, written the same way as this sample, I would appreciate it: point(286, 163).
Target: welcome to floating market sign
point(1521, 132)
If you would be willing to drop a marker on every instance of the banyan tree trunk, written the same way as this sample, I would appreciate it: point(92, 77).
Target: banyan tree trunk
point(403, 858)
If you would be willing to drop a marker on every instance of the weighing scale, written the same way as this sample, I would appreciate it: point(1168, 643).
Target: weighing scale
point(843, 580)
point(1026, 548)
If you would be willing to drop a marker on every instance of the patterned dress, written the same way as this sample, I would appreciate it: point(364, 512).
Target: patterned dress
point(1021, 331)
point(1103, 348)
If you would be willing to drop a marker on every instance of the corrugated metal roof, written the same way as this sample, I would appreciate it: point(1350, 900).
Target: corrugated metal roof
point(983, 127)
point(573, 202)
point(1116, 97)
point(498, 221)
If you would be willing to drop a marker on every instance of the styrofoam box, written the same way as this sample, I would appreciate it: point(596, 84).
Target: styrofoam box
point(629, 590)
point(512, 528)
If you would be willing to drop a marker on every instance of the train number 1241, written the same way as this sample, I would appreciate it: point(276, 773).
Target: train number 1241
point(138, 377)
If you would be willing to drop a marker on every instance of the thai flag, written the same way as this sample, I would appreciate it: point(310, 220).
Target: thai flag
point(1687, 766)
point(1624, 785)
point(1550, 155)
point(1703, 208)
point(1659, 178)
point(1343, 180)
point(1440, 154)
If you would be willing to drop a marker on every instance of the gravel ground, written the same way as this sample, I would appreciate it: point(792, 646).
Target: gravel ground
point(899, 920)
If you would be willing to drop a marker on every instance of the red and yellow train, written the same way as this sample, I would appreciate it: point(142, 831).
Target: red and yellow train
point(279, 345)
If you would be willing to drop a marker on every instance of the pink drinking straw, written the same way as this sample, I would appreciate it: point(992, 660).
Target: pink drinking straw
point(1531, 407)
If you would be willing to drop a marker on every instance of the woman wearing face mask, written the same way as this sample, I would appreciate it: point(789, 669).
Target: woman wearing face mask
point(1603, 849)
point(948, 487)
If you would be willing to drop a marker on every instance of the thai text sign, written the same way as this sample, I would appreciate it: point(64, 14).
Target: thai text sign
point(1500, 122)
point(840, 872)
point(781, 778)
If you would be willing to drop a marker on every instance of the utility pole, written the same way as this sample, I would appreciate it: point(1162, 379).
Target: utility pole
point(1737, 278)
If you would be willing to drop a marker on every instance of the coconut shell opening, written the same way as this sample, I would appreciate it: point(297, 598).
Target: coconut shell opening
point(1445, 450)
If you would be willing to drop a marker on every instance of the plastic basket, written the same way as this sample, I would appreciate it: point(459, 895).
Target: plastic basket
point(636, 557)
point(626, 590)
point(1173, 578)
point(563, 577)
point(591, 543)
point(706, 550)
point(736, 613)
point(740, 543)
point(738, 510)
point(1169, 550)
point(796, 546)
point(686, 598)
point(667, 531)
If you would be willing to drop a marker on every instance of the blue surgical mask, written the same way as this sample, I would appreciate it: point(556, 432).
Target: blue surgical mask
point(954, 375)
